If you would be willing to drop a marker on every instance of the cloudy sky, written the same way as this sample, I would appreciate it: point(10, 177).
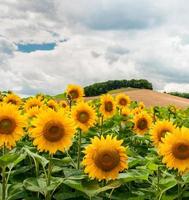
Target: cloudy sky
point(47, 44)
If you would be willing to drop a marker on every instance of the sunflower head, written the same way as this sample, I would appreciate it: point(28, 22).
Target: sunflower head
point(122, 100)
point(40, 96)
point(136, 111)
point(52, 131)
point(142, 123)
point(125, 112)
point(75, 92)
point(107, 106)
point(141, 105)
point(32, 102)
point(172, 109)
point(159, 130)
point(105, 158)
point(63, 104)
point(33, 112)
point(12, 99)
point(52, 104)
point(11, 125)
point(84, 116)
point(175, 149)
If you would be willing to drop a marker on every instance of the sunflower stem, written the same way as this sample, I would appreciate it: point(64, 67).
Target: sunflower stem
point(3, 183)
point(4, 188)
point(158, 178)
point(79, 150)
point(74, 164)
point(48, 196)
point(70, 102)
point(120, 127)
point(179, 191)
point(101, 125)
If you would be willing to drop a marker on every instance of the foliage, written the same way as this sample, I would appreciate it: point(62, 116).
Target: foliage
point(179, 94)
point(103, 87)
point(145, 179)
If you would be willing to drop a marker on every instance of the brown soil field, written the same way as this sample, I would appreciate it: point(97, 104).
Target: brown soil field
point(153, 98)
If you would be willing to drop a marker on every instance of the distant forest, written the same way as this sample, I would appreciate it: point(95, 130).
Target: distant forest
point(104, 87)
point(179, 94)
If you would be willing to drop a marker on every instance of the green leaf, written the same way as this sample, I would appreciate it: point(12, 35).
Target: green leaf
point(61, 162)
point(135, 161)
point(133, 175)
point(166, 184)
point(91, 188)
point(40, 184)
point(37, 158)
point(55, 183)
point(36, 185)
point(152, 166)
point(67, 195)
point(185, 178)
point(74, 174)
point(8, 158)
point(16, 191)
point(19, 159)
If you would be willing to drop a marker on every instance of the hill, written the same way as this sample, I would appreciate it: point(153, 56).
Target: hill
point(153, 98)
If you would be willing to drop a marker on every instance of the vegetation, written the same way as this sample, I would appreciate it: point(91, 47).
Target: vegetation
point(104, 87)
point(179, 94)
point(107, 149)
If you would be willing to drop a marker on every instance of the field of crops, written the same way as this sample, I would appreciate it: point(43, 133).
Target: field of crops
point(107, 148)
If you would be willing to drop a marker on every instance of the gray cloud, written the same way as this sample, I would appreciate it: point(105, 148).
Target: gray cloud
point(107, 39)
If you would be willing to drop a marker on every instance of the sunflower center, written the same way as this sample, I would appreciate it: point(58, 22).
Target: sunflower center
point(123, 102)
point(125, 114)
point(12, 101)
point(74, 94)
point(53, 132)
point(64, 105)
point(83, 117)
point(161, 134)
point(53, 107)
point(108, 106)
point(181, 151)
point(142, 124)
point(7, 126)
point(33, 105)
point(107, 159)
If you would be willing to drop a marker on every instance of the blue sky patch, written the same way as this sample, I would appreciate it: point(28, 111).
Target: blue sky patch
point(27, 48)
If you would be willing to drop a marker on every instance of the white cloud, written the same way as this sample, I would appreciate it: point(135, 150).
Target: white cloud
point(173, 87)
point(69, 62)
point(107, 39)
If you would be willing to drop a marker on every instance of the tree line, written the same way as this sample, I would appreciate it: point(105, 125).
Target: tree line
point(104, 87)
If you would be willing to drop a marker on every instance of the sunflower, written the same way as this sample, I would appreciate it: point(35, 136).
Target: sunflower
point(175, 149)
point(107, 107)
point(11, 125)
point(63, 104)
point(33, 112)
point(105, 158)
point(40, 96)
point(32, 102)
point(142, 123)
point(52, 104)
point(84, 116)
point(136, 111)
point(141, 105)
point(52, 131)
point(75, 92)
point(13, 99)
point(125, 112)
point(159, 131)
point(122, 100)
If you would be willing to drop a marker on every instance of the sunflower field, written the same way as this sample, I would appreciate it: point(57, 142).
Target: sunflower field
point(106, 148)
